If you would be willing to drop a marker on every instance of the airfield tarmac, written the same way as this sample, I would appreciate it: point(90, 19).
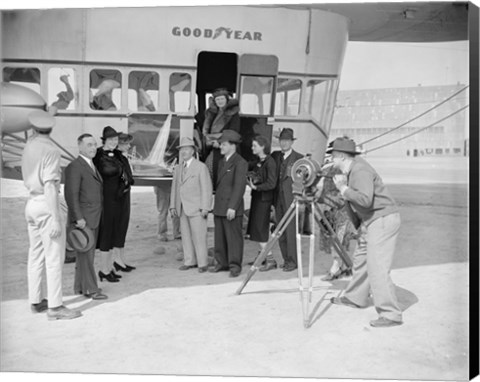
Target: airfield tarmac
point(159, 320)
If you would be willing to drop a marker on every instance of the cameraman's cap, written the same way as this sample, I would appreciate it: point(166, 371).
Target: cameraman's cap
point(41, 120)
point(286, 133)
point(230, 136)
point(344, 145)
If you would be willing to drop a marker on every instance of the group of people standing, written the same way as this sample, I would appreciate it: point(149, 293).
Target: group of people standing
point(97, 193)
point(226, 174)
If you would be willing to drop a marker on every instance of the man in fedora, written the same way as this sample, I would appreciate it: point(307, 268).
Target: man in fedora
point(283, 197)
point(84, 197)
point(375, 214)
point(45, 221)
point(191, 199)
point(228, 209)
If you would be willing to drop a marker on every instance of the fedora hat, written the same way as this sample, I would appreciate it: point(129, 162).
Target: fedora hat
point(286, 133)
point(110, 132)
point(41, 120)
point(230, 136)
point(186, 141)
point(345, 145)
point(80, 240)
point(125, 138)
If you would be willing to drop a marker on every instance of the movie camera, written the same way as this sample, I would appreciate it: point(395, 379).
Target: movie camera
point(306, 173)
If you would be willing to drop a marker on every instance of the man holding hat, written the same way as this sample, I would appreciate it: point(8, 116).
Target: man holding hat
point(46, 224)
point(375, 214)
point(284, 197)
point(228, 209)
point(191, 199)
point(84, 197)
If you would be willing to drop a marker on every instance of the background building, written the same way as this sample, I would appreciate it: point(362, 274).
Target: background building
point(366, 114)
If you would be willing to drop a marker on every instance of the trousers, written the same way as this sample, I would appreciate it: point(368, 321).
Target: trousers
point(85, 277)
point(288, 240)
point(45, 255)
point(162, 193)
point(229, 242)
point(194, 239)
point(372, 261)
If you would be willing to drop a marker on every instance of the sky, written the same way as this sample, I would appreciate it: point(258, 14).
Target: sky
point(404, 64)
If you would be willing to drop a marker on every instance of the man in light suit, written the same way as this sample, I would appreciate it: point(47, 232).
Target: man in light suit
point(191, 199)
point(228, 209)
point(84, 197)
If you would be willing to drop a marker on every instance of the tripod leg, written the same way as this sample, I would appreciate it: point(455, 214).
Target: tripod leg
point(300, 266)
point(311, 254)
point(284, 222)
point(337, 245)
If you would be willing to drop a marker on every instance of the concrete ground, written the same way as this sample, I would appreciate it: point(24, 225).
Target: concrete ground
point(159, 320)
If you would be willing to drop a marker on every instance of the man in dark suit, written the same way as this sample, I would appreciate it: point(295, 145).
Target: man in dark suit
point(284, 196)
point(84, 197)
point(228, 209)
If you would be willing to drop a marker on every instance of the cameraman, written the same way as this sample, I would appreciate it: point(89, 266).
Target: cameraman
point(374, 212)
point(333, 207)
point(262, 179)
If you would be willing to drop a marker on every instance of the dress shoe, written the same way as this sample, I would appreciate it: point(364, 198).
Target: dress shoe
point(115, 275)
point(344, 301)
point(289, 267)
point(107, 277)
point(187, 267)
point(383, 322)
point(178, 237)
point(218, 268)
point(97, 296)
point(62, 313)
point(202, 269)
point(40, 307)
point(272, 264)
point(256, 257)
point(330, 276)
point(118, 267)
point(130, 267)
point(234, 273)
point(163, 237)
point(252, 262)
point(70, 259)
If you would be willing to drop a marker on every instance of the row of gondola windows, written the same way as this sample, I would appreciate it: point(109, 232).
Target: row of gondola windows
point(105, 88)
point(105, 91)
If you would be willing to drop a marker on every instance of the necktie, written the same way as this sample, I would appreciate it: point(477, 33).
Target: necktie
point(184, 170)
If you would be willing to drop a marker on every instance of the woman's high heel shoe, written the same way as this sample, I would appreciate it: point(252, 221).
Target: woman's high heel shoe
point(115, 275)
point(118, 267)
point(107, 277)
